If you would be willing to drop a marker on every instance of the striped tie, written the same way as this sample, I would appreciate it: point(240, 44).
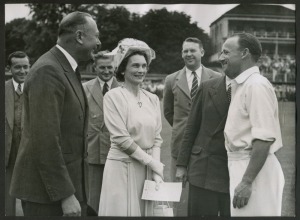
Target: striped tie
point(229, 92)
point(194, 85)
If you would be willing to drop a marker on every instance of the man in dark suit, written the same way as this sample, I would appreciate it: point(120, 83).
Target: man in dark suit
point(18, 63)
point(180, 88)
point(98, 135)
point(51, 168)
point(202, 157)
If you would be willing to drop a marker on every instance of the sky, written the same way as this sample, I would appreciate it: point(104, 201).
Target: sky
point(203, 14)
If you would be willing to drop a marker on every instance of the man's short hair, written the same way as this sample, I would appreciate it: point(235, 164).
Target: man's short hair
point(70, 22)
point(16, 54)
point(194, 40)
point(102, 55)
point(249, 41)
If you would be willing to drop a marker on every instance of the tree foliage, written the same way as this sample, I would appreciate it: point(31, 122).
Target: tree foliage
point(162, 30)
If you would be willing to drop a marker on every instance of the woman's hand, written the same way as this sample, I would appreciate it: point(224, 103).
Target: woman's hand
point(158, 179)
point(157, 167)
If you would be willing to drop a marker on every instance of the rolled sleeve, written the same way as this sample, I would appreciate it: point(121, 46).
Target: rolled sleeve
point(261, 107)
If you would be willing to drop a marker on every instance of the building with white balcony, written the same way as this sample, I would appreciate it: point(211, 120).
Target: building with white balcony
point(273, 25)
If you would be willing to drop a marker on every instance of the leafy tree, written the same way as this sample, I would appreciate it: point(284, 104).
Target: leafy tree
point(162, 30)
point(15, 32)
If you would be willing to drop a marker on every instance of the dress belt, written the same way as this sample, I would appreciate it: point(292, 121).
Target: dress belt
point(128, 159)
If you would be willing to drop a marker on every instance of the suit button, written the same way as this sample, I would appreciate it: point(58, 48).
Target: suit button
point(80, 117)
point(85, 154)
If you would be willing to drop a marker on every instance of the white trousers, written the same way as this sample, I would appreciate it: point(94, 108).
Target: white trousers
point(267, 188)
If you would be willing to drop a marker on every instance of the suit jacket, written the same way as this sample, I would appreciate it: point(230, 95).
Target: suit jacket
point(51, 162)
point(203, 146)
point(9, 117)
point(177, 103)
point(98, 135)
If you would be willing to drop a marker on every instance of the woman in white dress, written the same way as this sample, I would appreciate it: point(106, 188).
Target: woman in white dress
point(133, 118)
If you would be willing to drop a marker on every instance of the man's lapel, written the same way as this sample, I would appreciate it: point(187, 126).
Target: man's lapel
point(205, 75)
point(220, 100)
point(96, 92)
point(114, 83)
point(71, 76)
point(9, 103)
point(219, 96)
point(182, 82)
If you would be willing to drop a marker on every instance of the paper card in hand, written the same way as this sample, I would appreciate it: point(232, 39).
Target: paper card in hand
point(167, 191)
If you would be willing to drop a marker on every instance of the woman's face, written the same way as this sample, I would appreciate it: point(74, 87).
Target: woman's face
point(136, 69)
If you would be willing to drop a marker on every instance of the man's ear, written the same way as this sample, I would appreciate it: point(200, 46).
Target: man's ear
point(202, 52)
point(245, 53)
point(79, 36)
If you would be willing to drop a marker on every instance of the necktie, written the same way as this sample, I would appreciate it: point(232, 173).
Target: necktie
point(19, 89)
point(229, 92)
point(194, 85)
point(105, 88)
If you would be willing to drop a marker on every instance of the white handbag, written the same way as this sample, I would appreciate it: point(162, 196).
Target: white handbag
point(162, 209)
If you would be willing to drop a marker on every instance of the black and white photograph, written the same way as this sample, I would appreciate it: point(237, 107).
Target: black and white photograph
point(159, 110)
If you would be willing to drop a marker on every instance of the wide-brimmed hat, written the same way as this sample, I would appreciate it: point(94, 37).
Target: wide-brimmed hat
point(129, 45)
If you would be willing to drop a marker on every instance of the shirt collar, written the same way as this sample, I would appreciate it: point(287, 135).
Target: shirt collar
point(198, 71)
point(16, 84)
point(246, 74)
point(228, 81)
point(71, 60)
point(109, 82)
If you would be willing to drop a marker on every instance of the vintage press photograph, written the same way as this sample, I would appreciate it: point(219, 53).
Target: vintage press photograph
point(142, 110)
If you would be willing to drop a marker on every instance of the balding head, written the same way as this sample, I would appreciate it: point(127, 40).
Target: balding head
point(78, 35)
point(71, 22)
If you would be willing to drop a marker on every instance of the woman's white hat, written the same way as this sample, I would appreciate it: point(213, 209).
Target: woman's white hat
point(129, 45)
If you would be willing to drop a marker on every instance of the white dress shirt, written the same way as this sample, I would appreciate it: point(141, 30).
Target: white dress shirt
point(16, 85)
point(109, 82)
point(190, 76)
point(253, 113)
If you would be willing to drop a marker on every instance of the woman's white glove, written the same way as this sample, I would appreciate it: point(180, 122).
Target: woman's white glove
point(157, 167)
point(141, 156)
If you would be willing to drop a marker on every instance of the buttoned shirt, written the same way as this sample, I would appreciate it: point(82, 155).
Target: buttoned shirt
point(16, 85)
point(109, 82)
point(71, 60)
point(253, 113)
point(190, 76)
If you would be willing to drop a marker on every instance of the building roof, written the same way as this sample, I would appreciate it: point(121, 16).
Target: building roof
point(258, 10)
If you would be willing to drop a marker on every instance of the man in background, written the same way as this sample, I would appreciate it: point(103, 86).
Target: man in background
point(98, 135)
point(18, 63)
point(180, 89)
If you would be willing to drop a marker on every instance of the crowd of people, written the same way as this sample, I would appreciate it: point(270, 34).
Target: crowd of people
point(76, 149)
point(279, 69)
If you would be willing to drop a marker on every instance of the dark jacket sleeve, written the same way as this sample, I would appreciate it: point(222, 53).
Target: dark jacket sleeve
point(192, 129)
point(168, 101)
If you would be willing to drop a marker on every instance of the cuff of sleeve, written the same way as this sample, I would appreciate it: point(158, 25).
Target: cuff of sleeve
point(263, 134)
point(141, 156)
point(131, 149)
